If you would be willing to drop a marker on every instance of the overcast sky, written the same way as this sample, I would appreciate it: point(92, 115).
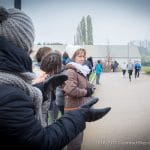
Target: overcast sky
point(116, 21)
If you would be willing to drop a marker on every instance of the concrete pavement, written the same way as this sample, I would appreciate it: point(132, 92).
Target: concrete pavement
point(127, 125)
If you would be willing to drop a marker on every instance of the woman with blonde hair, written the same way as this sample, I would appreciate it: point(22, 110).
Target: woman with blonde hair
point(77, 88)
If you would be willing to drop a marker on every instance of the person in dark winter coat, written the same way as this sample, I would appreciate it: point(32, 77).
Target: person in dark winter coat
point(65, 58)
point(20, 125)
point(89, 63)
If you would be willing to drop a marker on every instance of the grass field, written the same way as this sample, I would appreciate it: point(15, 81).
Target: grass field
point(146, 69)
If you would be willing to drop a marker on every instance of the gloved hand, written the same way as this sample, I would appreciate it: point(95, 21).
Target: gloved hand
point(93, 114)
point(89, 91)
point(52, 82)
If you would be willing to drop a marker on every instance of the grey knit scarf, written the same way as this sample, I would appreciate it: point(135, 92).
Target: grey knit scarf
point(23, 81)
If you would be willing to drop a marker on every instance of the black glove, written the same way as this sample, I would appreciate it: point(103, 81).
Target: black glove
point(41, 87)
point(89, 91)
point(93, 114)
point(52, 82)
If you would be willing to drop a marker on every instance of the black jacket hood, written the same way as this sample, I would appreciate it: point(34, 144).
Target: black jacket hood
point(14, 59)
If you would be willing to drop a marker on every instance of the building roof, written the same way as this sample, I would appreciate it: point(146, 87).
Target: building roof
point(124, 51)
point(96, 50)
point(102, 51)
point(114, 51)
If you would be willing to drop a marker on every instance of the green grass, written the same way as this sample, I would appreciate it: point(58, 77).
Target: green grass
point(146, 69)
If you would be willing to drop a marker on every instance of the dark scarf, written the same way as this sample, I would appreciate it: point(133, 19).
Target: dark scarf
point(12, 58)
point(16, 70)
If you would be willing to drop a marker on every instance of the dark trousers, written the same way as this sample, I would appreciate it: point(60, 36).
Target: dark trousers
point(137, 73)
point(97, 78)
point(130, 74)
point(123, 72)
point(76, 143)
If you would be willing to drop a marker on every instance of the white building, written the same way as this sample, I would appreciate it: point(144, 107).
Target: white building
point(120, 53)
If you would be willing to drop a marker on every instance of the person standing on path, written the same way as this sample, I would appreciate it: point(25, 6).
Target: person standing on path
point(89, 63)
point(77, 88)
point(98, 70)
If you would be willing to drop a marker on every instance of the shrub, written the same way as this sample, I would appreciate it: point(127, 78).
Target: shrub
point(146, 69)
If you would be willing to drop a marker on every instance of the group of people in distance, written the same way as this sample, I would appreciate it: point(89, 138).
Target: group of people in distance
point(25, 101)
point(130, 67)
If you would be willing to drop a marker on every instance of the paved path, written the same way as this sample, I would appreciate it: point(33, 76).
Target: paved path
point(127, 126)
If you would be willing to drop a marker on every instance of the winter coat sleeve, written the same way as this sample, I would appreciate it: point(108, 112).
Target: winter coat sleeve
point(18, 125)
point(72, 87)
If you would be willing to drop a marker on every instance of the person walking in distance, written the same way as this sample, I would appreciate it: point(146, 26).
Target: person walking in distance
point(130, 67)
point(137, 68)
point(124, 68)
